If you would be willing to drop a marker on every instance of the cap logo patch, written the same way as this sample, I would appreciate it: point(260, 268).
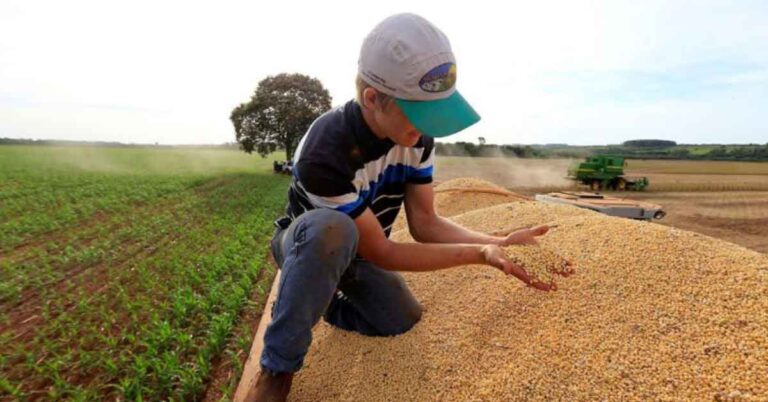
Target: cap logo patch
point(439, 79)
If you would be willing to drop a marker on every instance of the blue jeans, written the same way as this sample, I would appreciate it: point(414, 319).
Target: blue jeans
point(321, 277)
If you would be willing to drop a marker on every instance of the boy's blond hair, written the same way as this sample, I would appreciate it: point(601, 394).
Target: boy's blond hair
point(381, 97)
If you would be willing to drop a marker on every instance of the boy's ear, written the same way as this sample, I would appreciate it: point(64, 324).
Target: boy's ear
point(369, 98)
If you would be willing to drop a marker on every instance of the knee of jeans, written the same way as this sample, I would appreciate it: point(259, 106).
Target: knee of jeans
point(406, 319)
point(336, 233)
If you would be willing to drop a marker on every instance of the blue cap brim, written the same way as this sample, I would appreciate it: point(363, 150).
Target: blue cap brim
point(440, 118)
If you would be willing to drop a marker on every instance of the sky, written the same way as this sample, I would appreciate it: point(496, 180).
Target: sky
point(576, 72)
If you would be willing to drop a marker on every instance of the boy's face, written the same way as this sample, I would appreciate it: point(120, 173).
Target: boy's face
point(392, 123)
point(397, 127)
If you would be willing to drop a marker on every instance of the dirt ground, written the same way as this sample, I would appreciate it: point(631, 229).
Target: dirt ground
point(739, 217)
point(725, 200)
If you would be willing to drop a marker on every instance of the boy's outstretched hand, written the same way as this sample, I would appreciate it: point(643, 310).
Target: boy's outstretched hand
point(525, 236)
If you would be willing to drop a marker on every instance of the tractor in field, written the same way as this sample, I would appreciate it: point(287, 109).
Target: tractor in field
point(605, 172)
point(282, 167)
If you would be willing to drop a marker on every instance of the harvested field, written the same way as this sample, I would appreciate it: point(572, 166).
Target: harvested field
point(738, 217)
point(698, 167)
point(652, 313)
point(662, 182)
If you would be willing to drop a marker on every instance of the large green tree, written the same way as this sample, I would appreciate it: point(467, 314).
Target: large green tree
point(279, 113)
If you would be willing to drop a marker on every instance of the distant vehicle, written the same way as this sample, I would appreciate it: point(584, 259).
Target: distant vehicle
point(606, 172)
point(613, 206)
point(282, 167)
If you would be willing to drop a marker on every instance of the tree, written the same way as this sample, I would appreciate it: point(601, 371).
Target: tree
point(481, 140)
point(649, 143)
point(279, 113)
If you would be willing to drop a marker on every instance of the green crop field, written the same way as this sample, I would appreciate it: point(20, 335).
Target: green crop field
point(124, 271)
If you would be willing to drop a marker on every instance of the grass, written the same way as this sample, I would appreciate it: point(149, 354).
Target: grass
point(123, 271)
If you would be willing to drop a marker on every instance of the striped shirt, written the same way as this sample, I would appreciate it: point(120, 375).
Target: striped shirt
point(340, 164)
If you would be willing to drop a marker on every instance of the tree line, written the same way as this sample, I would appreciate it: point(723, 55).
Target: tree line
point(749, 152)
point(635, 149)
point(487, 150)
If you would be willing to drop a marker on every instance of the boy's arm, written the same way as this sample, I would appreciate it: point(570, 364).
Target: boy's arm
point(376, 247)
point(428, 227)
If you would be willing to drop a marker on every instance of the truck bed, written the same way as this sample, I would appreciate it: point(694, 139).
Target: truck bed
point(612, 206)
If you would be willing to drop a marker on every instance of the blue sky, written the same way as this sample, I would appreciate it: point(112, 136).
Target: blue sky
point(687, 82)
point(578, 72)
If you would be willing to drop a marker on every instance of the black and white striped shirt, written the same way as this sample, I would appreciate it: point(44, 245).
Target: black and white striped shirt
point(341, 164)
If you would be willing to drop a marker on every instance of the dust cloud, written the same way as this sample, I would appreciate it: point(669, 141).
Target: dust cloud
point(146, 160)
point(510, 172)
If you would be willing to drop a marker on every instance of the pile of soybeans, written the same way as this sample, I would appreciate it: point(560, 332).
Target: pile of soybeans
point(652, 313)
point(450, 198)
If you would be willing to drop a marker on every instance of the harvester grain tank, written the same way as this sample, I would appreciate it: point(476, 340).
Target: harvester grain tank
point(601, 172)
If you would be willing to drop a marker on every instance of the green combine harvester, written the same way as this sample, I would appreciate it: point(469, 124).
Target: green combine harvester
point(606, 172)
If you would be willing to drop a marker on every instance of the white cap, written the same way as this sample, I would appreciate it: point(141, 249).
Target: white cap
point(407, 57)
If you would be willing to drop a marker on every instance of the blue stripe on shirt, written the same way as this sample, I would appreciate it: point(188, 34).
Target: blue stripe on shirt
point(423, 172)
point(392, 174)
point(349, 207)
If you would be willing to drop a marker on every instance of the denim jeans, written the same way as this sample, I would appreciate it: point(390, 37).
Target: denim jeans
point(321, 277)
